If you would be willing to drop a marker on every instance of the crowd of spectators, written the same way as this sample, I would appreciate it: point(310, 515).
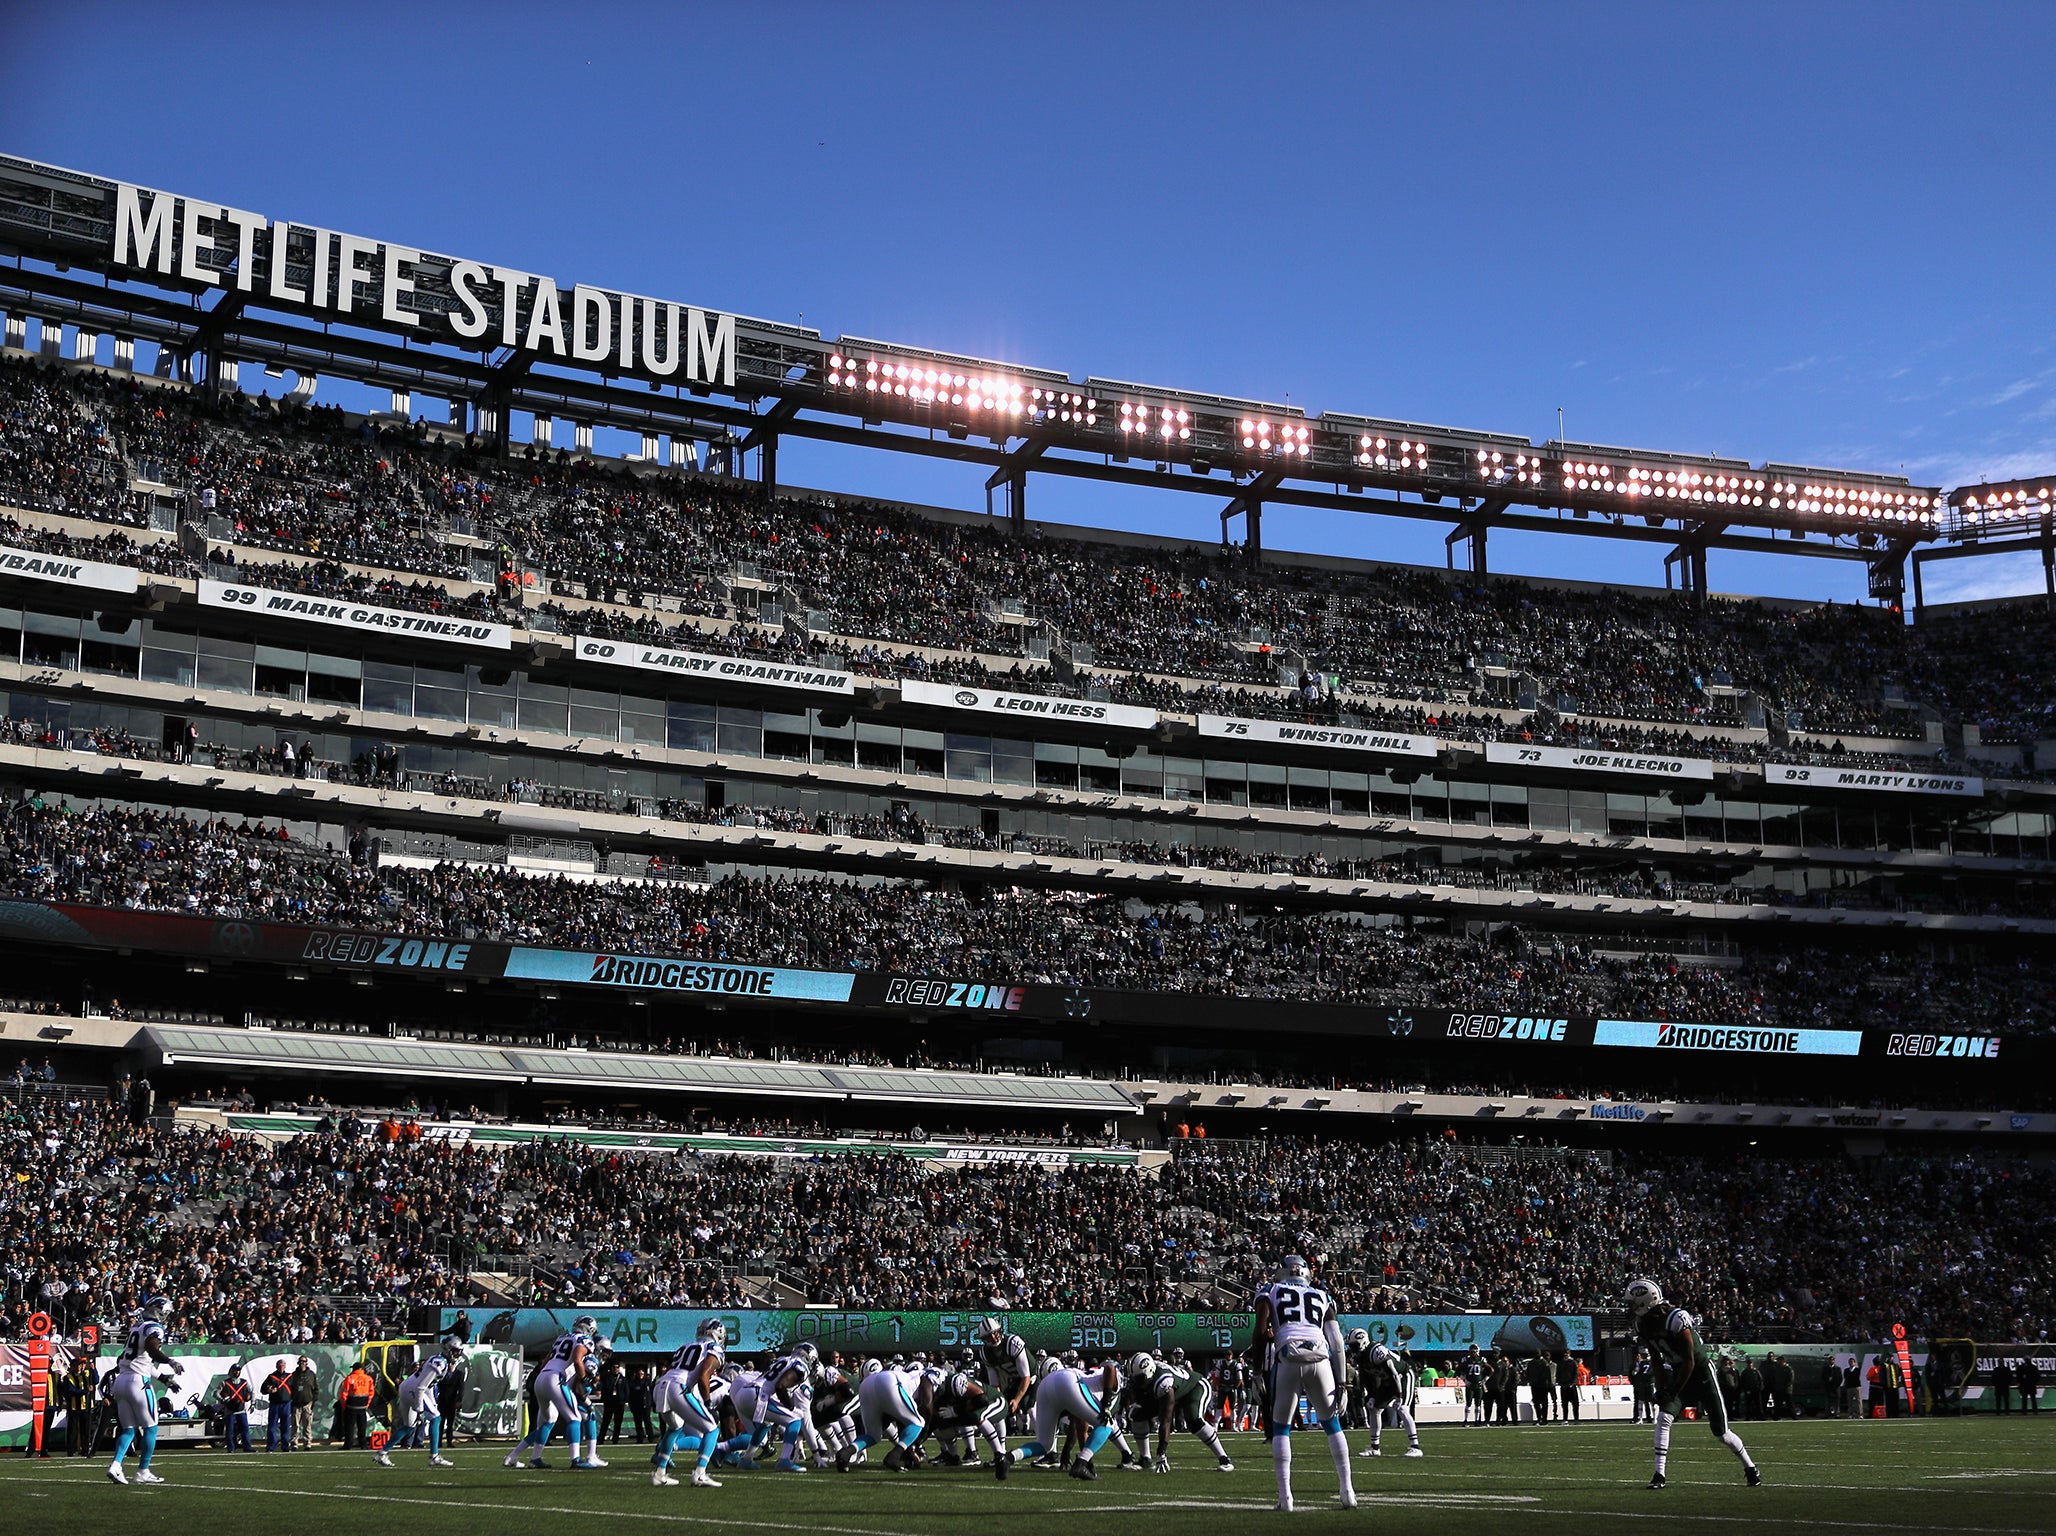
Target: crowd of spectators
point(306, 479)
point(160, 861)
point(318, 1233)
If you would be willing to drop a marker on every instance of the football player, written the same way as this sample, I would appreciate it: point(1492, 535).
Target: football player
point(552, 1390)
point(1069, 1395)
point(417, 1415)
point(1385, 1387)
point(687, 1400)
point(894, 1403)
point(1009, 1377)
point(143, 1360)
point(1301, 1340)
point(1684, 1371)
point(1164, 1394)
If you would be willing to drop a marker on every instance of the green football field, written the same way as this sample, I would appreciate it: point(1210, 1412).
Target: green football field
point(1982, 1477)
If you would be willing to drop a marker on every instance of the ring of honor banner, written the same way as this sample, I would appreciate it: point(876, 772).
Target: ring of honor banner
point(949, 998)
point(762, 1331)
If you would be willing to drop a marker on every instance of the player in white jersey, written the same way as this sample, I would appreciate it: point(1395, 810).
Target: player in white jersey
point(416, 1413)
point(1297, 1330)
point(1084, 1399)
point(1385, 1387)
point(778, 1401)
point(552, 1391)
point(143, 1358)
point(1009, 1377)
point(687, 1399)
point(893, 1403)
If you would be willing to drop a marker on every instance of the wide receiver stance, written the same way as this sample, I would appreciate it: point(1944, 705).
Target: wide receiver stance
point(1385, 1387)
point(1685, 1376)
point(1301, 1342)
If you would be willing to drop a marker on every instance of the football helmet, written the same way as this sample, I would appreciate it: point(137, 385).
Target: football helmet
point(155, 1308)
point(871, 1368)
point(1359, 1340)
point(805, 1350)
point(1644, 1295)
point(454, 1348)
point(1380, 1354)
point(1140, 1364)
point(1177, 1357)
point(991, 1330)
point(1293, 1267)
point(713, 1330)
point(587, 1327)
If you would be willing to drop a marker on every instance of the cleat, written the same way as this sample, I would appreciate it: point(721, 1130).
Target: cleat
point(788, 1466)
point(1656, 1483)
point(1227, 1465)
point(895, 1460)
point(536, 1463)
point(147, 1476)
point(1130, 1465)
point(662, 1479)
point(950, 1459)
point(116, 1475)
point(1084, 1470)
point(700, 1479)
point(579, 1464)
point(1046, 1459)
point(1754, 1475)
point(842, 1459)
point(1346, 1498)
point(383, 1459)
point(1000, 1463)
point(513, 1460)
point(1369, 1450)
point(594, 1461)
point(441, 1461)
point(1285, 1506)
point(1414, 1453)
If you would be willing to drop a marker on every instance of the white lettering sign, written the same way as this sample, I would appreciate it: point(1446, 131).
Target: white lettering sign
point(448, 629)
point(656, 340)
point(1874, 779)
point(737, 669)
point(1032, 706)
point(1334, 738)
point(67, 572)
point(1642, 765)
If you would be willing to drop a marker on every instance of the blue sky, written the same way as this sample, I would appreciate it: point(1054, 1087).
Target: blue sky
point(1810, 233)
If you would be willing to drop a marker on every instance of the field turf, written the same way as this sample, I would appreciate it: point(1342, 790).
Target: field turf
point(1978, 1477)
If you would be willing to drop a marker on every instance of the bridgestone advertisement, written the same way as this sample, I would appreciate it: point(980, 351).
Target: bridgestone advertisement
point(945, 998)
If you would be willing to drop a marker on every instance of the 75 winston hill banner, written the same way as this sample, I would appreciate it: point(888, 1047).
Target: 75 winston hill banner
point(763, 1331)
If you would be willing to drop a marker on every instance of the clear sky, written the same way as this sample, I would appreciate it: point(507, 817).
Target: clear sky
point(1811, 233)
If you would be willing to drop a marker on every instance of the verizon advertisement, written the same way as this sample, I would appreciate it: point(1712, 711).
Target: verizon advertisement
point(1328, 738)
point(1638, 765)
point(1031, 706)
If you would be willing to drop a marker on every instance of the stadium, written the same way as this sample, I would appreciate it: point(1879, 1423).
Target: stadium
point(523, 923)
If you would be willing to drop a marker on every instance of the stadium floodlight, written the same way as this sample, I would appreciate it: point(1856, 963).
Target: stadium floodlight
point(1063, 405)
point(896, 381)
point(1401, 453)
point(2006, 504)
point(1160, 424)
point(1495, 466)
point(1280, 439)
point(1845, 500)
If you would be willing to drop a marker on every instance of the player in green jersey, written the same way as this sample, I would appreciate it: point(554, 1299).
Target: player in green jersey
point(1685, 1379)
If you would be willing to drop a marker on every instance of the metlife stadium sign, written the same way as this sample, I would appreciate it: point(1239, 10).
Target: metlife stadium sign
point(342, 277)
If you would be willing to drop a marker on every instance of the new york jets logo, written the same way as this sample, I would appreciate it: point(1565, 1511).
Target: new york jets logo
point(967, 698)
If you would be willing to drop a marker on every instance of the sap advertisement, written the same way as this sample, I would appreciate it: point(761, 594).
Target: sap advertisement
point(760, 1331)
